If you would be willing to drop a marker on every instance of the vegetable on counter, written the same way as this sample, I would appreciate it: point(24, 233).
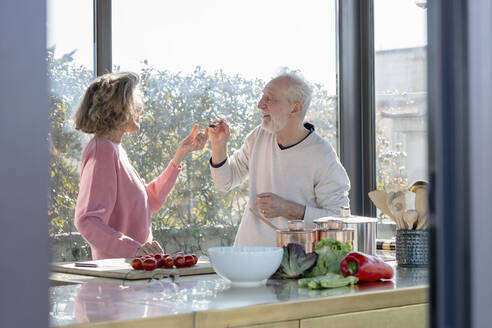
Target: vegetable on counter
point(330, 254)
point(331, 280)
point(295, 262)
point(365, 267)
point(153, 261)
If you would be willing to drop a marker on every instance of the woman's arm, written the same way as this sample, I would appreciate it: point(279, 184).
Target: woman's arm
point(159, 188)
point(96, 201)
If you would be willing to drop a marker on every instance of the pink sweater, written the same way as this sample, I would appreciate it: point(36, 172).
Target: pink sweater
point(114, 204)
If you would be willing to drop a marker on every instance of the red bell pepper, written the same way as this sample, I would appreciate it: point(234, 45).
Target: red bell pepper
point(365, 267)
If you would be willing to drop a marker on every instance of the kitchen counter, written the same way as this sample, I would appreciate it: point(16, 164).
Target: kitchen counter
point(210, 301)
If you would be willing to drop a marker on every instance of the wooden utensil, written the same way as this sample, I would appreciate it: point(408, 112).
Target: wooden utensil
point(397, 205)
point(410, 217)
point(380, 200)
point(420, 190)
point(422, 223)
point(421, 206)
point(267, 222)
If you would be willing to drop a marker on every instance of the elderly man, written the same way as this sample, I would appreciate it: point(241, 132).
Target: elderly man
point(294, 174)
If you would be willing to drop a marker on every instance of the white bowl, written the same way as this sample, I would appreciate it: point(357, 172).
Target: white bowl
point(245, 266)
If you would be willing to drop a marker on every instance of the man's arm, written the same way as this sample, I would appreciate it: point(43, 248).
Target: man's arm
point(228, 172)
point(219, 134)
point(331, 190)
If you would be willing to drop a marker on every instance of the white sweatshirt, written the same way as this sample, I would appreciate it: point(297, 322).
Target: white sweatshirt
point(308, 173)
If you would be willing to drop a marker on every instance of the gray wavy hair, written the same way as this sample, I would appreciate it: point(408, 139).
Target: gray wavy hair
point(299, 90)
point(108, 103)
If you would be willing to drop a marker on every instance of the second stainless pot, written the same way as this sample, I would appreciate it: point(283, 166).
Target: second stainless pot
point(298, 235)
point(328, 223)
point(341, 235)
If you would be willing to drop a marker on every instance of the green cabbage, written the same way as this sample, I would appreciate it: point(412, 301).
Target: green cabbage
point(330, 254)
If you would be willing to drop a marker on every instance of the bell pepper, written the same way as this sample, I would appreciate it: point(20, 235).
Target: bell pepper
point(365, 267)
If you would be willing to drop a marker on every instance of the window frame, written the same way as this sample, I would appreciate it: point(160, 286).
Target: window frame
point(357, 110)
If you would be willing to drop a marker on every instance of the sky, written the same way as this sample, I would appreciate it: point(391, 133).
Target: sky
point(253, 38)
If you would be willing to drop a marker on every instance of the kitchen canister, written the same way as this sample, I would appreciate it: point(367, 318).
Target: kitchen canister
point(412, 248)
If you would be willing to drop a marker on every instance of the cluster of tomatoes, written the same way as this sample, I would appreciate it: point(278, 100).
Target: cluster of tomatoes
point(154, 261)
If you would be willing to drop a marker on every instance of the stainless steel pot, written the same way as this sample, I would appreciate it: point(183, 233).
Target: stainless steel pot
point(298, 235)
point(365, 233)
point(341, 235)
point(329, 223)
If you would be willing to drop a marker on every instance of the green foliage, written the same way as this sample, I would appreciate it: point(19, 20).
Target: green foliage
point(196, 215)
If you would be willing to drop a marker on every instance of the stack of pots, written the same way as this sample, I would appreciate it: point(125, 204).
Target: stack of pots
point(298, 235)
point(334, 228)
point(358, 231)
point(325, 228)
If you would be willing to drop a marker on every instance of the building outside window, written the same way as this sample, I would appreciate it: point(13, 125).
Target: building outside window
point(401, 95)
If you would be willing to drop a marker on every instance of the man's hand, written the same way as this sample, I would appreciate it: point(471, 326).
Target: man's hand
point(272, 205)
point(219, 134)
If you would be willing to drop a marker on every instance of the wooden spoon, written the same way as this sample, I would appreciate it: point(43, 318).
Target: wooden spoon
point(410, 217)
point(421, 202)
point(259, 216)
point(397, 205)
point(380, 200)
point(423, 223)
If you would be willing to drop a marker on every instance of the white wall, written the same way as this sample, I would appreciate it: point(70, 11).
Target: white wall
point(480, 54)
point(24, 251)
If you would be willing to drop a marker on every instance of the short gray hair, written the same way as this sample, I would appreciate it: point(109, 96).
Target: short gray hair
point(299, 89)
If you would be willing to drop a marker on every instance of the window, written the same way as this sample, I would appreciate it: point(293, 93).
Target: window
point(70, 69)
point(205, 59)
point(198, 60)
point(401, 94)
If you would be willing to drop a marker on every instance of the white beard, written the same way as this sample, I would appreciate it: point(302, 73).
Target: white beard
point(275, 125)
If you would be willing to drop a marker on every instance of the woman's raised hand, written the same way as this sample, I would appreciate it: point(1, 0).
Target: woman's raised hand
point(194, 141)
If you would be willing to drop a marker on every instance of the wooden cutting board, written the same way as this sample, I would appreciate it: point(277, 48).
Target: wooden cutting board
point(120, 268)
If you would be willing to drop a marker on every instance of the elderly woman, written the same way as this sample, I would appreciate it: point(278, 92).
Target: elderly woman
point(114, 204)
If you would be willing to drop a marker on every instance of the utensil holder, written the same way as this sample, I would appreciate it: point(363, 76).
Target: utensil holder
point(412, 248)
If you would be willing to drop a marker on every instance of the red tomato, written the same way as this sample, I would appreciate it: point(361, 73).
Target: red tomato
point(179, 261)
point(178, 254)
point(195, 258)
point(149, 256)
point(149, 264)
point(168, 262)
point(137, 264)
point(160, 259)
point(189, 261)
point(166, 255)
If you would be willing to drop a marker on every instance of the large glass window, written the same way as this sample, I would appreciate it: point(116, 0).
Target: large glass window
point(401, 94)
point(70, 69)
point(200, 60)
